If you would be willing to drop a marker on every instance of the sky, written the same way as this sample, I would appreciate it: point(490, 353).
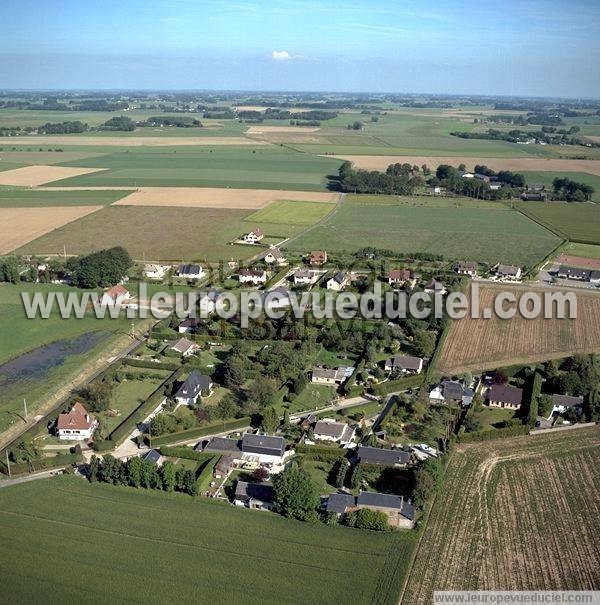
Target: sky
point(507, 47)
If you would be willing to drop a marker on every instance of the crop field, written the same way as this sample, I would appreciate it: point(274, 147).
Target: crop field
point(293, 213)
point(206, 197)
point(139, 141)
point(21, 225)
point(226, 166)
point(38, 198)
point(516, 514)
point(198, 548)
point(159, 233)
point(30, 176)
point(575, 221)
point(492, 234)
point(484, 344)
point(423, 201)
point(44, 156)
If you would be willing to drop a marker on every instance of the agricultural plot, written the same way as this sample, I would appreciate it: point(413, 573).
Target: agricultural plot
point(21, 225)
point(293, 213)
point(30, 176)
point(516, 514)
point(38, 198)
point(484, 344)
point(249, 167)
point(108, 139)
point(42, 156)
point(47, 526)
point(486, 234)
point(575, 221)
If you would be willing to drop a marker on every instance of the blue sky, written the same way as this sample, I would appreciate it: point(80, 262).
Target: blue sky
point(510, 47)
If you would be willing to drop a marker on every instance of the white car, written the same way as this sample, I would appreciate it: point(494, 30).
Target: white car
point(427, 449)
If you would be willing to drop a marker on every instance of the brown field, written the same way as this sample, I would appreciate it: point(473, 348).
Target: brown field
point(484, 344)
point(515, 514)
point(30, 176)
point(579, 261)
point(381, 162)
point(18, 226)
point(133, 141)
point(205, 197)
point(270, 129)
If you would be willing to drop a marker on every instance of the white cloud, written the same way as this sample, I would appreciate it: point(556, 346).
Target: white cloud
point(281, 55)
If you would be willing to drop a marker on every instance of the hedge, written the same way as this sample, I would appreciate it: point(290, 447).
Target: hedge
point(40, 464)
point(151, 365)
point(320, 453)
point(218, 427)
point(205, 475)
point(514, 431)
point(392, 386)
point(185, 452)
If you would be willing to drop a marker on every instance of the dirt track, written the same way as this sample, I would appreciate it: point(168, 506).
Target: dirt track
point(30, 176)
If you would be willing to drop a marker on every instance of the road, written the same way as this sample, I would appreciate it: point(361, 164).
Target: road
point(27, 478)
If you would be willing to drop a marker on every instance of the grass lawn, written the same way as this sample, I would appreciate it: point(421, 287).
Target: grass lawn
point(332, 359)
point(575, 221)
point(319, 473)
point(487, 235)
point(290, 212)
point(312, 397)
point(65, 523)
point(491, 417)
point(30, 198)
point(585, 250)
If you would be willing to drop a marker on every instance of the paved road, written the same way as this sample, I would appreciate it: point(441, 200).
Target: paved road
point(27, 478)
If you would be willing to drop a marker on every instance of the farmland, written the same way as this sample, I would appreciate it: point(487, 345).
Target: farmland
point(36, 198)
point(546, 178)
point(516, 514)
point(29, 176)
point(294, 213)
point(489, 234)
point(483, 344)
point(576, 221)
point(50, 525)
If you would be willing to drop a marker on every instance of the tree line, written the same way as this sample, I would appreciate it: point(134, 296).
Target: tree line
point(99, 269)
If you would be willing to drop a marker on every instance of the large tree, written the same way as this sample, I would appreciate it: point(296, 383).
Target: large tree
point(295, 493)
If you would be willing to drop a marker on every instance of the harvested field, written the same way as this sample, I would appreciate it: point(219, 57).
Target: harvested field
point(516, 514)
point(381, 162)
point(30, 176)
point(200, 197)
point(133, 141)
point(270, 129)
point(21, 225)
point(579, 261)
point(484, 344)
point(46, 157)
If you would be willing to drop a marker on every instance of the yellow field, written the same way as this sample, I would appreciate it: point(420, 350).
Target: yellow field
point(21, 225)
point(270, 129)
point(30, 176)
point(125, 141)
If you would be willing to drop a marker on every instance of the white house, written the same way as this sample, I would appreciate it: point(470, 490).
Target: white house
point(562, 403)
point(321, 375)
point(116, 295)
point(208, 303)
point(330, 430)
point(193, 386)
point(507, 272)
point(78, 424)
point(434, 287)
point(252, 276)
point(338, 282)
point(258, 496)
point(190, 271)
point(155, 271)
point(304, 277)
point(184, 347)
point(404, 363)
point(467, 268)
point(254, 236)
point(274, 256)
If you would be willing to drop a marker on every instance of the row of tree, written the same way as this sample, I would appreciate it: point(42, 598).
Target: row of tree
point(565, 189)
point(100, 269)
point(394, 181)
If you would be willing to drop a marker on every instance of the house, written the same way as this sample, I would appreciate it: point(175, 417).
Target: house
point(188, 325)
point(78, 424)
point(223, 467)
point(304, 277)
point(482, 177)
point(400, 511)
point(595, 278)
point(404, 363)
point(338, 282)
point(264, 449)
point(330, 430)
point(562, 403)
point(252, 276)
point(308, 421)
point(208, 302)
point(398, 277)
point(383, 457)
point(495, 185)
point(274, 257)
point(467, 268)
point(340, 503)
point(565, 272)
point(116, 295)
point(258, 496)
point(222, 445)
point(321, 375)
point(451, 392)
point(278, 298)
point(192, 387)
point(254, 236)
point(536, 187)
point(436, 190)
point(507, 272)
point(155, 271)
point(504, 396)
point(184, 347)
point(533, 196)
point(467, 175)
point(153, 456)
point(317, 258)
point(190, 271)
point(433, 286)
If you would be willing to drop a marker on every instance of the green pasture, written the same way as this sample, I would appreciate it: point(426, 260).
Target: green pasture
point(32, 198)
point(292, 213)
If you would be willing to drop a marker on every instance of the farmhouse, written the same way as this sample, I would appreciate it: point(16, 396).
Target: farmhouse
point(330, 430)
point(254, 236)
point(533, 196)
point(321, 375)
point(565, 272)
point(252, 276)
point(78, 424)
point(184, 347)
point(340, 503)
point(467, 268)
point(222, 445)
point(193, 386)
point(451, 392)
point(304, 277)
point(116, 295)
point(258, 496)
point(155, 271)
point(274, 256)
point(263, 449)
point(507, 272)
point(400, 512)
point(562, 403)
point(398, 277)
point(383, 457)
point(503, 396)
point(404, 363)
point(317, 258)
point(190, 271)
point(338, 282)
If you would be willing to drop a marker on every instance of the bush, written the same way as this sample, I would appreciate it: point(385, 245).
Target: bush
point(217, 427)
point(366, 518)
point(321, 453)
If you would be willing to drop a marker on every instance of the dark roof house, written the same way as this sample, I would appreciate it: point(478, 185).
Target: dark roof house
point(382, 457)
point(266, 445)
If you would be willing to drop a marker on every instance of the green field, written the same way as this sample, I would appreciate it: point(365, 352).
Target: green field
point(31, 198)
point(581, 177)
point(585, 250)
point(64, 539)
point(293, 213)
point(488, 235)
point(576, 221)
point(263, 167)
point(160, 233)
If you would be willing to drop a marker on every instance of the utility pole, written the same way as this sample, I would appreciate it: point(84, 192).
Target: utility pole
point(8, 463)
point(25, 406)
